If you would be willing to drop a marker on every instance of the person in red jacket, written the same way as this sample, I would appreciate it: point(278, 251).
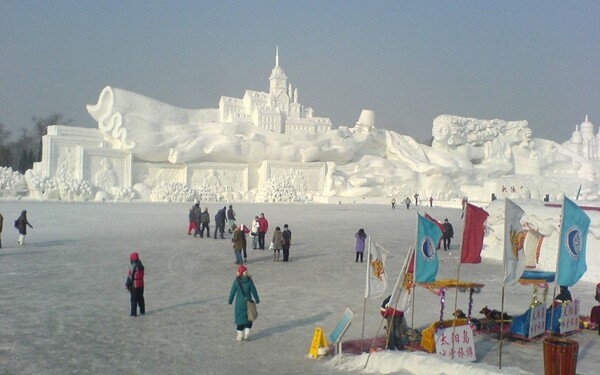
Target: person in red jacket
point(263, 227)
point(135, 284)
point(396, 325)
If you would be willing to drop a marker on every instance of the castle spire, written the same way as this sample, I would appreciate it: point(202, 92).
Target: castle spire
point(277, 55)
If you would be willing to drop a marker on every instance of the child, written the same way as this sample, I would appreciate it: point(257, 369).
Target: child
point(361, 237)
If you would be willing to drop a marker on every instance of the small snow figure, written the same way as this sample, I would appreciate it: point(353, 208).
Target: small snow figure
point(135, 284)
point(361, 237)
point(21, 224)
point(243, 289)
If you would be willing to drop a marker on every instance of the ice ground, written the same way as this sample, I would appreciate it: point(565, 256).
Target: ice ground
point(64, 308)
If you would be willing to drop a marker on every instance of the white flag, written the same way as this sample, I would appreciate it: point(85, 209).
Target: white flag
point(376, 272)
point(514, 238)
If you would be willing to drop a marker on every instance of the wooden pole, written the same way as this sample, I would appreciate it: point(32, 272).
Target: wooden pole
point(501, 329)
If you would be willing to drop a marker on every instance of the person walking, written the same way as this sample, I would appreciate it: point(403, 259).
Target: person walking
point(135, 284)
point(448, 234)
point(286, 241)
point(243, 289)
point(407, 203)
point(220, 222)
point(416, 199)
point(205, 223)
point(197, 217)
point(192, 227)
point(21, 224)
point(430, 201)
point(1, 223)
point(238, 244)
point(263, 227)
point(361, 238)
point(393, 203)
point(254, 232)
point(230, 218)
point(244, 229)
point(277, 236)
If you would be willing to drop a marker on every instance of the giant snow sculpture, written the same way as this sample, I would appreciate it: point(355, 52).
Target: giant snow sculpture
point(269, 147)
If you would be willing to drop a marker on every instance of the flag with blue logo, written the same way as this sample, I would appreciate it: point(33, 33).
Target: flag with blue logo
point(427, 262)
point(573, 239)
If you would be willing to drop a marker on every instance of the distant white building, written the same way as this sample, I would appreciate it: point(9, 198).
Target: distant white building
point(277, 110)
point(583, 140)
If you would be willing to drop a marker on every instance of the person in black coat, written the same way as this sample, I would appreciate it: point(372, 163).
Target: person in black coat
point(21, 224)
point(286, 241)
point(220, 217)
point(448, 234)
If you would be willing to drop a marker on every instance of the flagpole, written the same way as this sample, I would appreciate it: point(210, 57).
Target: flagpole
point(398, 284)
point(562, 223)
point(366, 294)
point(412, 312)
point(503, 283)
point(464, 215)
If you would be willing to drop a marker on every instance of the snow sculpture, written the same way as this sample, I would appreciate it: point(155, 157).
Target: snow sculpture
point(268, 146)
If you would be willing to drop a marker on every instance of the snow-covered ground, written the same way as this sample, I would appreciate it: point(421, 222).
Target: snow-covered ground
point(64, 308)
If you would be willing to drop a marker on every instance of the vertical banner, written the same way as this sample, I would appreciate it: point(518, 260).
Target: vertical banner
point(573, 240)
point(472, 241)
point(514, 238)
point(376, 274)
point(427, 262)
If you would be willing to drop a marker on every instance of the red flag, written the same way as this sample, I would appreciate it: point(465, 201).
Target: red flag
point(439, 224)
point(472, 241)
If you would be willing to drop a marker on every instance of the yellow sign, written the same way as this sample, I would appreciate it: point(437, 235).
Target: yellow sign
point(317, 342)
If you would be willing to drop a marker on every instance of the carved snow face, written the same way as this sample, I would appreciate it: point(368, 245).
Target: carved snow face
point(440, 132)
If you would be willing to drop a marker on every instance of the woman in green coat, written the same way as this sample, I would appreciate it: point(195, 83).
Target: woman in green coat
point(242, 288)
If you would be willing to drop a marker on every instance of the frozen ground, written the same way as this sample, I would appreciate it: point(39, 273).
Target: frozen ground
point(64, 307)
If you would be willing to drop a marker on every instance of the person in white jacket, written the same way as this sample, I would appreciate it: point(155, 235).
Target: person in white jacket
point(254, 233)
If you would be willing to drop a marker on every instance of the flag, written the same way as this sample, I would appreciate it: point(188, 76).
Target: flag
point(376, 273)
point(439, 224)
point(573, 239)
point(472, 241)
point(532, 247)
point(514, 237)
point(427, 262)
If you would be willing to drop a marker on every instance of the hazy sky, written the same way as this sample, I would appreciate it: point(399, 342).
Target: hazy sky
point(409, 61)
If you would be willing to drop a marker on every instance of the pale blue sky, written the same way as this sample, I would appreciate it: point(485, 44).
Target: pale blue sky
point(409, 61)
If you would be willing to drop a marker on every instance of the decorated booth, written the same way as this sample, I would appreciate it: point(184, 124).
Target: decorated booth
point(532, 323)
point(453, 337)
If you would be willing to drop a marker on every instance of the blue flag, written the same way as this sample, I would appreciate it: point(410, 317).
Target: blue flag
point(573, 239)
point(428, 236)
